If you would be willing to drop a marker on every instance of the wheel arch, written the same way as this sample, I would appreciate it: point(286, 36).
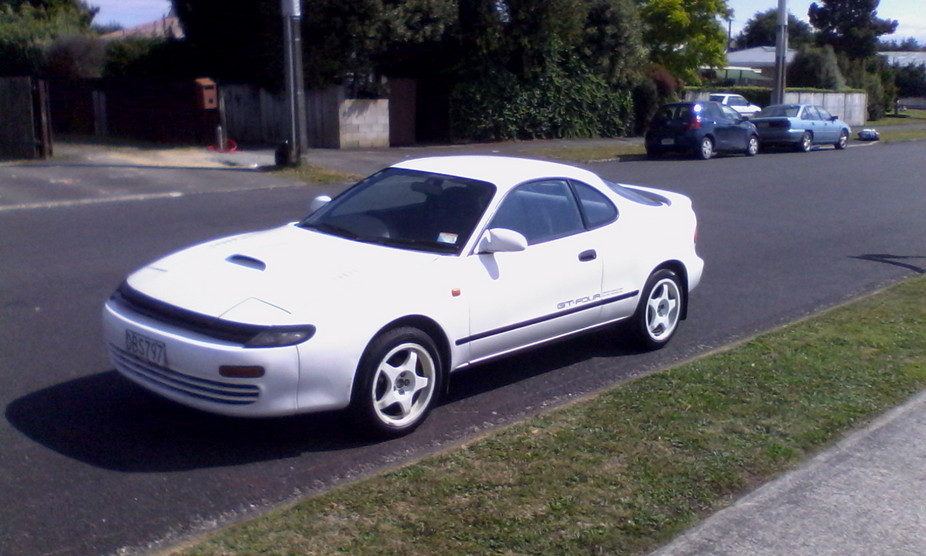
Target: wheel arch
point(679, 268)
point(430, 327)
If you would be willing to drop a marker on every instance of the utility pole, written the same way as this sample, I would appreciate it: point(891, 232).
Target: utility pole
point(781, 54)
point(295, 84)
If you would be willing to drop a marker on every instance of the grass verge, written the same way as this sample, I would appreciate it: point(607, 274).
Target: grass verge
point(591, 153)
point(627, 470)
point(316, 175)
point(905, 118)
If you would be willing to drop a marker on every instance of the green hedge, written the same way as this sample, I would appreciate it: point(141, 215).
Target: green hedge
point(500, 107)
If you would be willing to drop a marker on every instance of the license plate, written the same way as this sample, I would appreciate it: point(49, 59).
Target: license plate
point(668, 141)
point(146, 348)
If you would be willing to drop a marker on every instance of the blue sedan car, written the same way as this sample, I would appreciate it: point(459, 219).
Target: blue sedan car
point(800, 126)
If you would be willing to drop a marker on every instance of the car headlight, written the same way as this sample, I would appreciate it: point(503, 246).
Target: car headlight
point(279, 336)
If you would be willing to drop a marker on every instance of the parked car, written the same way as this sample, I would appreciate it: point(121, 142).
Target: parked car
point(700, 128)
point(800, 126)
point(422, 269)
point(736, 102)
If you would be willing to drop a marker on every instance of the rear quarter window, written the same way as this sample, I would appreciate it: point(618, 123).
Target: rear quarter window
point(597, 209)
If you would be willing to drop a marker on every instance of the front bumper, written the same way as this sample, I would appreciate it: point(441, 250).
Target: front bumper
point(186, 369)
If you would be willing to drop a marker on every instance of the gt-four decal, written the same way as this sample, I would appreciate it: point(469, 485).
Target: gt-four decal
point(587, 299)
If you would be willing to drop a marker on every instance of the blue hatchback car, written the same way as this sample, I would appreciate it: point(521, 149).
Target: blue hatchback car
point(700, 128)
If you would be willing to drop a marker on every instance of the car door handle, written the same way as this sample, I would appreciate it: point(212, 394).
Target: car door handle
point(589, 255)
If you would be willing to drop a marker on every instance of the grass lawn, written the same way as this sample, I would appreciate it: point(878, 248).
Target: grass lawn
point(626, 470)
point(903, 118)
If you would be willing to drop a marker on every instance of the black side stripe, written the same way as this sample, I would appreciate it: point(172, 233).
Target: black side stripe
point(538, 320)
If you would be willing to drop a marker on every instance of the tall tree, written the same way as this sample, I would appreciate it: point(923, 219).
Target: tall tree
point(815, 67)
point(684, 35)
point(852, 27)
point(242, 42)
point(27, 31)
point(77, 11)
point(762, 30)
point(612, 44)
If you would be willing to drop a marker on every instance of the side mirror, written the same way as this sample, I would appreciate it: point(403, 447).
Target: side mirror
point(834, 118)
point(318, 202)
point(501, 240)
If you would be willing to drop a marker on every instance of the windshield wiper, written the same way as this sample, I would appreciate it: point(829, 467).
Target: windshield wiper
point(418, 244)
point(330, 229)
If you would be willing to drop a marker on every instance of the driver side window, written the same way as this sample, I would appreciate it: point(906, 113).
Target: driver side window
point(541, 211)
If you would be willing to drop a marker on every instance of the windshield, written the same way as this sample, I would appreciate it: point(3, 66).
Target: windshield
point(406, 209)
point(778, 110)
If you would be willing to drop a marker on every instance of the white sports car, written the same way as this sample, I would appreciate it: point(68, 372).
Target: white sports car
point(421, 269)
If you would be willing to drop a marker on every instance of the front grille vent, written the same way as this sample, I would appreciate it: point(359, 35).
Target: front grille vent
point(211, 390)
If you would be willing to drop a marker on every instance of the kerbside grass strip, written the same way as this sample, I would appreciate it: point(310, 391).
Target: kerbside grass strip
point(627, 470)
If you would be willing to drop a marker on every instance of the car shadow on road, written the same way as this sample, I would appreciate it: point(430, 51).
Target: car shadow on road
point(107, 421)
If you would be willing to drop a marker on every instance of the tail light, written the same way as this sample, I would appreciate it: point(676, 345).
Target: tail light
point(695, 123)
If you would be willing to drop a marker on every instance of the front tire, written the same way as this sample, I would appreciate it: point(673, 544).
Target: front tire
point(843, 140)
point(660, 310)
point(752, 146)
point(397, 383)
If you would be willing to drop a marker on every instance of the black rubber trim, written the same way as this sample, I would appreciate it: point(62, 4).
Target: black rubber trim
point(545, 318)
point(219, 329)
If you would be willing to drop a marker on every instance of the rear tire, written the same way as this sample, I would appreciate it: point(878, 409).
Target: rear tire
point(806, 143)
point(397, 383)
point(659, 311)
point(705, 149)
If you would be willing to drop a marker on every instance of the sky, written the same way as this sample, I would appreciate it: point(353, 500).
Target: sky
point(910, 14)
point(129, 13)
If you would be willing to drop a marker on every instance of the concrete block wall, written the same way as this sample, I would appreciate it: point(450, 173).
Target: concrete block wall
point(851, 108)
point(363, 123)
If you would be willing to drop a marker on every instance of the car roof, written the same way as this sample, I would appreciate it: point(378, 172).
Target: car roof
point(692, 102)
point(502, 171)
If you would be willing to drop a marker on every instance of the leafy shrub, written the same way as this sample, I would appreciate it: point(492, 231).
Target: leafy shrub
point(497, 106)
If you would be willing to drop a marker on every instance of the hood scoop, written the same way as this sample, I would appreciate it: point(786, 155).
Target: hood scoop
point(247, 262)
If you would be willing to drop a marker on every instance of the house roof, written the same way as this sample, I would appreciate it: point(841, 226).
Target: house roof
point(905, 58)
point(167, 27)
point(758, 57)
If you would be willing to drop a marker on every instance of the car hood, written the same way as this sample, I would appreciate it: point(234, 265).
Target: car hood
point(273, 277)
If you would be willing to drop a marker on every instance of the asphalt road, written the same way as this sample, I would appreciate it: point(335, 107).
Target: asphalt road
point(90, 464)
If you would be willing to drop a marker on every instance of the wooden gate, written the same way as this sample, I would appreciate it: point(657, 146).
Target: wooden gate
point(25, 131)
